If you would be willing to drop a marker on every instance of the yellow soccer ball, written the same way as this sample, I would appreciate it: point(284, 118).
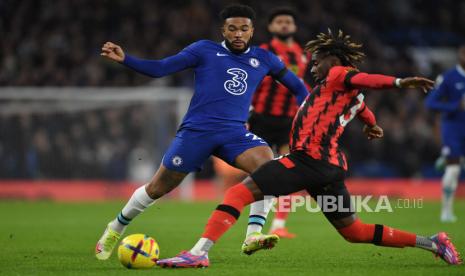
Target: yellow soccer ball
point(138, 251)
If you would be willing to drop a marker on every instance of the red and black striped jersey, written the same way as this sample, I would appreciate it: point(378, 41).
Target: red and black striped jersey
point(321, 119)
point(271, 97)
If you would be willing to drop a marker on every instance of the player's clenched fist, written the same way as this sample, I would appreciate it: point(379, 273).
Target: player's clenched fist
point(112, 51)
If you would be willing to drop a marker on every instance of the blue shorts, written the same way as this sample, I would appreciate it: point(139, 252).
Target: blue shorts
point(190, 148)
point(453, 140)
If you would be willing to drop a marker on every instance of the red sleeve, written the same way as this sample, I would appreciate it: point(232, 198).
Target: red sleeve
point(366, 115)
point(364, 80)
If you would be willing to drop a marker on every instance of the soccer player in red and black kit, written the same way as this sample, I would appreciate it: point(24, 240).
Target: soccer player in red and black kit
point(315, 162)
point(274, 107)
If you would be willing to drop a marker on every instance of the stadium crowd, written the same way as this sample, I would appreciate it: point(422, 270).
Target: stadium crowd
point(56, 43)
point(68, 146)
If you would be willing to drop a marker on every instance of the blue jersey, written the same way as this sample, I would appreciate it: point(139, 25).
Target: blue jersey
point(448, 96)
point(224, 84)
point(224, 81)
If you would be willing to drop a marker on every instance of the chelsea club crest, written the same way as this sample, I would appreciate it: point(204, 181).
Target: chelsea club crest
point(254, 62)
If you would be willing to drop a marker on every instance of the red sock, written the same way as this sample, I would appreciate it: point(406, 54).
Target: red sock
point(397, 238)
point(226, 214)
point(360, 232)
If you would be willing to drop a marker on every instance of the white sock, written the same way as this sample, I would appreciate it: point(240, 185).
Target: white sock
point(258, 212)
point(138, 202)
point(426, 243)
point(278, 223)
point(449, 185)
point(201, 247)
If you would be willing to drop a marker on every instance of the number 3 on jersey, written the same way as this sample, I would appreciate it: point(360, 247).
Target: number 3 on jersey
point(237, 85)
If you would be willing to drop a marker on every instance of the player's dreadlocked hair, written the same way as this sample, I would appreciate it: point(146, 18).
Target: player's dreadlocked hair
point(340, 46)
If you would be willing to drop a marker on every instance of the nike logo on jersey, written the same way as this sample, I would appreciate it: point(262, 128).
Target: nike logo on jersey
point(220, 54)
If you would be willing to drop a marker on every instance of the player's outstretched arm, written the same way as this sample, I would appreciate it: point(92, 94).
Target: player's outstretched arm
point(376, 81)
point(416, 82)
point(152, 68)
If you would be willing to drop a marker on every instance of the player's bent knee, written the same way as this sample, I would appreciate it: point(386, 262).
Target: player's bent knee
point(163, 182)
point(157, 188)
point(253, 158)
point(155, 192)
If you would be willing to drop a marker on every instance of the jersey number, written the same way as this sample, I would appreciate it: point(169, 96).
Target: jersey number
point(237, 84)
point(346, 118)
point(255, 137)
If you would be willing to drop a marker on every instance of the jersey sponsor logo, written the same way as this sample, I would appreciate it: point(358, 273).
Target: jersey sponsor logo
point(177, 161)
point(459, 85)
point(344, 119)
point(237, 85)
point(218, 54)
point(254, 62)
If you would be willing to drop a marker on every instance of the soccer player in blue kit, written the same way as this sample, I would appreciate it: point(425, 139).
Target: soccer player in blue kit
point(449, 99)
point(226, 76)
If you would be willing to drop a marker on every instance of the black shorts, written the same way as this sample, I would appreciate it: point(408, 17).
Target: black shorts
point(274, 130)
point(298, 171)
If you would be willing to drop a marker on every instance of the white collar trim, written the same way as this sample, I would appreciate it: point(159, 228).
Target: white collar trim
point(223, 43)
point(460, 70)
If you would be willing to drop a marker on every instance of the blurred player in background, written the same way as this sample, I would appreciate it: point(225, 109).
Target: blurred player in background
point(226, 76)
point(449, 99)
point(316, 163)
point(274, 106)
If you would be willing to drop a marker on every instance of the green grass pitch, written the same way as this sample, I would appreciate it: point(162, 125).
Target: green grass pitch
point(45, 238)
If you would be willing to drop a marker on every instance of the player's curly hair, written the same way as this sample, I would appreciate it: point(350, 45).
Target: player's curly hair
point(340, 46)
point(237, 10)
